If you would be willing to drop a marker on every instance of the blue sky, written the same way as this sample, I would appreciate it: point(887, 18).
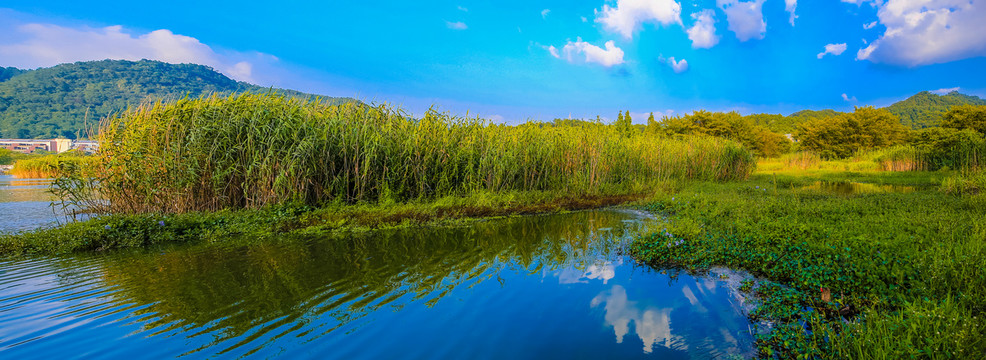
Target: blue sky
point(518, 60)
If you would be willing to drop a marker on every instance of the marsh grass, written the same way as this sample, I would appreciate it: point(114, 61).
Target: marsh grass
point(48, 166)
point(254, 150)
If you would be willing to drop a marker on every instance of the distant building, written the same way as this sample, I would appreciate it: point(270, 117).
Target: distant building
point(88, 146)
point(28, 146)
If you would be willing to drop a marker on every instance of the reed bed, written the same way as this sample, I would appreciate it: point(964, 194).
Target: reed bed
point(48, 166)
point(254, 150)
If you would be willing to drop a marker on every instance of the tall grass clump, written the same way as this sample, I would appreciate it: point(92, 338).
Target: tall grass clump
point(48, 166)
point(254, 150)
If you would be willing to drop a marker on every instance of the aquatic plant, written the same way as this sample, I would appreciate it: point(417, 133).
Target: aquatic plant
point(254, 150)
point(871, 267)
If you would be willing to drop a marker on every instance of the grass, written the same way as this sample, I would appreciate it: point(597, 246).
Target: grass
point(906, 271)
point(255, 150)
point(967, 156)
point(48, 166)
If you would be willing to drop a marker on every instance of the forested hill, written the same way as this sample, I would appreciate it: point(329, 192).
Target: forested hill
point(925, 109)
point(58, 101)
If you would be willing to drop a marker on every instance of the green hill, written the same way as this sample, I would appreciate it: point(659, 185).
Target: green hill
point(925, 109)
point(60, 100)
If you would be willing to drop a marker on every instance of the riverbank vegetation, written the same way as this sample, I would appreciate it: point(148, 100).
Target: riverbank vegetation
point(901, 257)
point(251, 151)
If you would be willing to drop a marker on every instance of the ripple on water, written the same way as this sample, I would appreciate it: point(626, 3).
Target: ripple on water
point(543, 286)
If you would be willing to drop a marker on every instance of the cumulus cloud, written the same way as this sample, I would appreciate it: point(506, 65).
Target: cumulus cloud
point(703, 33)
point(628, 15)
point(609, 55)
point(790, 6)
point(545, 12)
point(43, 45)
point(944, 91)
point(745, 18)
point(457, 25)
point(678, 66)
point(847, 98)
point(834, 49)
point(463, 8)
point(869, 26)
point(927, 32)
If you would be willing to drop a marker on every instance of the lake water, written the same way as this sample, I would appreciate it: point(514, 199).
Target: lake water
point(554, 286)
point(26, 204)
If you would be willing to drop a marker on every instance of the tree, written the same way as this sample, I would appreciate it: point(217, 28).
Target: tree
point(840, 137)
point(624, 124)
point(6, 157)
point(964, 117)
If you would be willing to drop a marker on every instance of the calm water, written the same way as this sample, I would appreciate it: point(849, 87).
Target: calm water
point(26, 204)
point(531, 287)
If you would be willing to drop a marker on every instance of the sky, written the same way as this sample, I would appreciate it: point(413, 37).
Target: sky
point(512, 61)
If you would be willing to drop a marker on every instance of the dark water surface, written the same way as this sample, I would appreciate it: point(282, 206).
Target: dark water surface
point(531, 287)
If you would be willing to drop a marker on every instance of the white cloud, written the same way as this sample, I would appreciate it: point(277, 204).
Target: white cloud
point(790, 6)
point(584, 19)
point(609, 56)
point(678, 66)
point(869, 26)
point(922, 32)
point(458, 25)
point(745, 18)
point(847, 98)
point(499, 119)
point(703, 33)
point(43, 45)
point(545, 12)
point(628, 15)
point(834, 49)
point(554, 51)
point(463, 8)
point(944, 91)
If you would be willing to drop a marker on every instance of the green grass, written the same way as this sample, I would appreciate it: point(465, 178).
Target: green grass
point(908, 269)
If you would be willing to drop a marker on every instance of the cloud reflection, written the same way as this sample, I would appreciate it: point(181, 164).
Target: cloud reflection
point(653, 325)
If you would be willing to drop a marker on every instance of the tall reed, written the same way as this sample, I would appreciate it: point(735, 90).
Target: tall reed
point(252, 150)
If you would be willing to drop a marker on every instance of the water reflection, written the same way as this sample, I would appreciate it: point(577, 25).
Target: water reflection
point(559, 283)
point(653, 325)
point(850, 187)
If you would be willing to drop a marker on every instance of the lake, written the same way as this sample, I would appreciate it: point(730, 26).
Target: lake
point(552, 286)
